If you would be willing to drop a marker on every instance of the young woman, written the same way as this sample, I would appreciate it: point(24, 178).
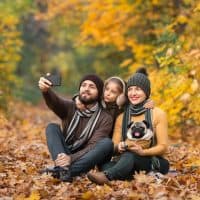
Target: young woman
point(134, 157)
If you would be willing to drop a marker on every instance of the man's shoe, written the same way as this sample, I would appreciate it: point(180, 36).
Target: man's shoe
point(98, 178)
point(65, 176)
point(54, 171)
point(62, 173)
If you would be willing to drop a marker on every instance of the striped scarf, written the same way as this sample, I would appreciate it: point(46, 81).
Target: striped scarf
point(86, 134)
point(134, 110)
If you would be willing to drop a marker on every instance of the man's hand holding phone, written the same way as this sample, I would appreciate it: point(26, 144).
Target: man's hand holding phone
point(55, 79)
point(48, 81)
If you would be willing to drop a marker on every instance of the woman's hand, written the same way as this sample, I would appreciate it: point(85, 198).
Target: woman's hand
point(122, 147)
point(44, 84)
point(63, 160)
point(136, 149)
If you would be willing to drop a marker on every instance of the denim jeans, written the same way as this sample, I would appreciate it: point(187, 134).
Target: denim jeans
point(129, 163)
point(101, 153)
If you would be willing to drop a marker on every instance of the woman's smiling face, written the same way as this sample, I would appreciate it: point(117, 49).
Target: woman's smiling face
point(136, 95)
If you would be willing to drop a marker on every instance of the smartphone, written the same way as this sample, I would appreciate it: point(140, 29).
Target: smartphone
point(55, 79)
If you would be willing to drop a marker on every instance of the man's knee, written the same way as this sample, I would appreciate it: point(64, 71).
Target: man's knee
point(105, 144)
point(51, 128)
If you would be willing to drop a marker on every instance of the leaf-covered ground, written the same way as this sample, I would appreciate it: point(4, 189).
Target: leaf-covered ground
point(23, 152)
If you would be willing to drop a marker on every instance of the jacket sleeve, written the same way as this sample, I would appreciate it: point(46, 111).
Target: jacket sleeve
point(103, 130)
point(57, 104)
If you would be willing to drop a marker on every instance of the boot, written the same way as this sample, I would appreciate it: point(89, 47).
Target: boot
point(98, 178)
point(62, 173)
point(65, 175)
point(54, 171)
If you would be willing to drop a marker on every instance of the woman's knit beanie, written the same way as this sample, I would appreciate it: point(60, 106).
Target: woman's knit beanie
point(140, 79)
point(97, 81)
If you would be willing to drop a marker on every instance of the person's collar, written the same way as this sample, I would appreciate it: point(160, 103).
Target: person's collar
point(89, 106)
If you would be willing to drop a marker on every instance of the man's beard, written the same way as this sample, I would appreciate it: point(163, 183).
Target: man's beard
point(88, 101)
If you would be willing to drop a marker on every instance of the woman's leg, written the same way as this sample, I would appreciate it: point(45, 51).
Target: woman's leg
point(106, 165)
point(122, 169)
point(164, 165)
point(127, 165)
point(144, 163)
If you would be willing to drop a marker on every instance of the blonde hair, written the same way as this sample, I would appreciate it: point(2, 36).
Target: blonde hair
point(121, 99)
point(119, 81)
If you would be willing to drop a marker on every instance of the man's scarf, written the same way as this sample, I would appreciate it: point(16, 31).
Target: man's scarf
point(86, 134)
point(134, 110)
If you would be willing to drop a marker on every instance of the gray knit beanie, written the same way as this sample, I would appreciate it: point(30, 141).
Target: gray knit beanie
point(141, 80)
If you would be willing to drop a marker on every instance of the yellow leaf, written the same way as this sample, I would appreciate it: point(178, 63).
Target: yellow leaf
point(126, 62)
point(197, 9)
point(35, 195)
point(195, 163)
point(182, 19)
point(87, 195)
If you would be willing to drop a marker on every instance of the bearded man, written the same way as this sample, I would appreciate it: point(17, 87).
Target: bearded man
point(83, 140)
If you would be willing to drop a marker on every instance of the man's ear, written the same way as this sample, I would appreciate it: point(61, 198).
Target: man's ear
point(146, 123)
point(129, 125)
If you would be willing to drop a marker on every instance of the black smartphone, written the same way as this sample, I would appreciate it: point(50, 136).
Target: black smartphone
point(55, 79)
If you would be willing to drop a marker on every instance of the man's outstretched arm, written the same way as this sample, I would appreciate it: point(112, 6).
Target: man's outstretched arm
point(57, 104)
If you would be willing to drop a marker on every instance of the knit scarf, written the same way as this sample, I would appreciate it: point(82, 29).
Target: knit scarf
point(134, 110)
point(86, 134)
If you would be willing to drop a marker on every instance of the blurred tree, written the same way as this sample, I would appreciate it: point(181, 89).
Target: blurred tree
point(51, 41)
point(9, 51)
point(107, 37)
point(161, 35)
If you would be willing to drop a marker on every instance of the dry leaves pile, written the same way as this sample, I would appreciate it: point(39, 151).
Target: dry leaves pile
point(23, 152)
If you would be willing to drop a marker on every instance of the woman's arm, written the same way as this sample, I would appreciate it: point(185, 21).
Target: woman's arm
point(160, 121)
point(161, 131)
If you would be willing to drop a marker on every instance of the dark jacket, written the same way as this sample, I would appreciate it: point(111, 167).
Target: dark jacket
point(65, 109)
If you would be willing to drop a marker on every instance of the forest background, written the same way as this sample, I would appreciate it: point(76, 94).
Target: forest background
point(111, 37)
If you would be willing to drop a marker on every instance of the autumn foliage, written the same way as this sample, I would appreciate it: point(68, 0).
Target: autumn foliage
point(9, 54)
point(157, 34)
point(23, 152)
point(161, 35)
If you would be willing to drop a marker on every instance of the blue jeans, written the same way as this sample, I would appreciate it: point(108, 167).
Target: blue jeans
point(128, 163)
point(101, 153)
